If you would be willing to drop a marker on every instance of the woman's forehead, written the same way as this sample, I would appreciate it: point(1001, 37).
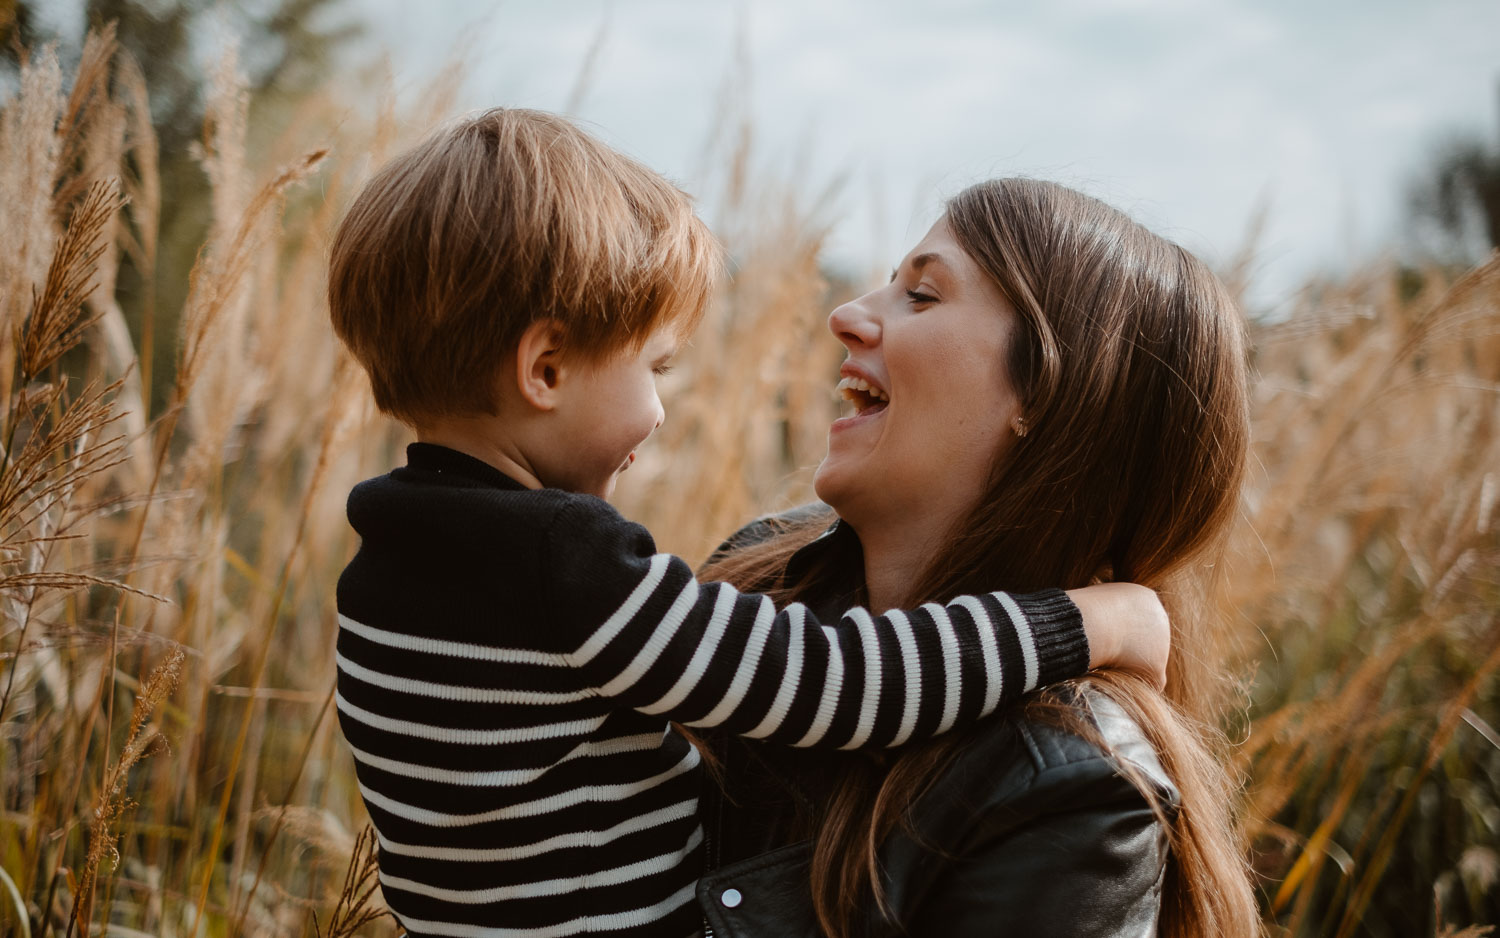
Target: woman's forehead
point(939, 248)
point(940, 254)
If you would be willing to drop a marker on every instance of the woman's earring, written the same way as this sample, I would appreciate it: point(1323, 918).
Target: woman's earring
point(1018, 424)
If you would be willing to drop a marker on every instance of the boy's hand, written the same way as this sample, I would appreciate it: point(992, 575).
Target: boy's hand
point(1127, 628)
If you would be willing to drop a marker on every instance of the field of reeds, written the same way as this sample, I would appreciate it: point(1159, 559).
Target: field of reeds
point(169, 763)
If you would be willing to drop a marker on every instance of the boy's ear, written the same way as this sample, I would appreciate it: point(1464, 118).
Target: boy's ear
point(539, 364)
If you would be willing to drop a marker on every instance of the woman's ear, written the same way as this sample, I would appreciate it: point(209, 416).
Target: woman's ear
point(539, 364)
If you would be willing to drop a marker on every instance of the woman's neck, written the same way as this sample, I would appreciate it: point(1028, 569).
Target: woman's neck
point(896, 554)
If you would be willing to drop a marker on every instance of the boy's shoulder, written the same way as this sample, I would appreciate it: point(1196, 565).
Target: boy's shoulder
point(446, 550)
point(441, 493)
point(422, 496)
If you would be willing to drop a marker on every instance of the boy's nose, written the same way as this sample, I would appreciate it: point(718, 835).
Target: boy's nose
point(661, 415)
point(853, 325)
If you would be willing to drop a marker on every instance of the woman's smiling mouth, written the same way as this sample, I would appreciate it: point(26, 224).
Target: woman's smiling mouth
point(867, 398)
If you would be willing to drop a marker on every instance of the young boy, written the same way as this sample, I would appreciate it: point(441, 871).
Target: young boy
point(510, 649)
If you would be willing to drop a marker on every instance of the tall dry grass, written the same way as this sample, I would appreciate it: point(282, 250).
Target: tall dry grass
point(1364, 586)
point(167, 759)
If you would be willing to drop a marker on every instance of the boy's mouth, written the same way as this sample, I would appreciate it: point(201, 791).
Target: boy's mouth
point(628, 460)
point(867, 398)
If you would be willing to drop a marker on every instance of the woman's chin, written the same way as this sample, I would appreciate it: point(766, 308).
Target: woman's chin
point(836, 482)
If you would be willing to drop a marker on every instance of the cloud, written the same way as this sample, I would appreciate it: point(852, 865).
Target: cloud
point(1183, 111)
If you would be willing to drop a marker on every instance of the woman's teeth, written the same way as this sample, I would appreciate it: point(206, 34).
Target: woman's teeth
point(860, 391)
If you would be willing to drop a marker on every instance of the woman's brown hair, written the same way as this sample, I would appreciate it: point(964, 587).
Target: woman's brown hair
point(1130, 366)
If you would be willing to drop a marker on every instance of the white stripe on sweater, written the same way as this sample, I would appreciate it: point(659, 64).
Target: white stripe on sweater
point(869, 643)
point(554, 802)
point(745, 672)
point(612, 626)
point(1023, 633)
point(833, 688)
point(438, 646)
point(913, 667)
point(994, 679)
point(640, 869)
point(708, 645)
point(953, 673)
point(456, 692)
point(791, 677)
point(660, 637)
point(659, 817)
point(505, 778)
point(446, 734)
point(617, 921)
point(500, 778)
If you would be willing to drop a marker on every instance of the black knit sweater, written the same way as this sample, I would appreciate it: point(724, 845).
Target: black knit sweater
point(508, 662)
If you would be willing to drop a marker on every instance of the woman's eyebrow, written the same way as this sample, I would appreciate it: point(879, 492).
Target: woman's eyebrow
point(918, 262)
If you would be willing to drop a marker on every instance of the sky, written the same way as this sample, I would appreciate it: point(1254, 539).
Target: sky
point(1188, 114)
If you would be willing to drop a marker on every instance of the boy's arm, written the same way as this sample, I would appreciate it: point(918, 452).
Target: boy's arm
point(656, 640)
point(1127, 627)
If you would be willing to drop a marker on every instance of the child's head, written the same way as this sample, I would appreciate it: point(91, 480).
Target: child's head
point(502, 222)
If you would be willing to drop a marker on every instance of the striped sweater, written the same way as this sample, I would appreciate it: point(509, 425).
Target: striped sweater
point(508, 662)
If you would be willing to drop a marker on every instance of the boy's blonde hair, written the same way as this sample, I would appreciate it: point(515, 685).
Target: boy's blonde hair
point(493, 223)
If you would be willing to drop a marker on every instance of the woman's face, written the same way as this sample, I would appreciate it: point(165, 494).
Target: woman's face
point(932, 397)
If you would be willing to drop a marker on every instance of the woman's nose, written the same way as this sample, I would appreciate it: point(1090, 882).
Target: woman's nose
point(853, 324)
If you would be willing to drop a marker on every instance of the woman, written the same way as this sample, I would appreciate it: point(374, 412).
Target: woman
point(1045, 393)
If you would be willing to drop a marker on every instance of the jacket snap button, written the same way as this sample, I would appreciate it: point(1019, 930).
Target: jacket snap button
point(731, 898)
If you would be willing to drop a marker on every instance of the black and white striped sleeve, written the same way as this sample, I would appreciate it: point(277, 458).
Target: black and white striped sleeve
point(654, 639)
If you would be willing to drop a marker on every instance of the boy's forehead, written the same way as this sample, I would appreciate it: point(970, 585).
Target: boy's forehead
point(666, 341)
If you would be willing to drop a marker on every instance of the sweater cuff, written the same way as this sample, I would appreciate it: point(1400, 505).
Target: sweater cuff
point(1062, 647)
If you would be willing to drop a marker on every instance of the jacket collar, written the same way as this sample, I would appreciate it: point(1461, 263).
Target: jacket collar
point(838, 559)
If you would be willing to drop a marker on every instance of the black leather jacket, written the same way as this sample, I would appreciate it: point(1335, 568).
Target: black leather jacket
point(1031, 831)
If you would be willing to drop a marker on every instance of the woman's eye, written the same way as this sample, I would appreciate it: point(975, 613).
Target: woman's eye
point(917, 297)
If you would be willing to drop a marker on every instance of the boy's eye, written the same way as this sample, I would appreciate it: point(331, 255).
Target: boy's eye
point(920, 297)
point(663, 369)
